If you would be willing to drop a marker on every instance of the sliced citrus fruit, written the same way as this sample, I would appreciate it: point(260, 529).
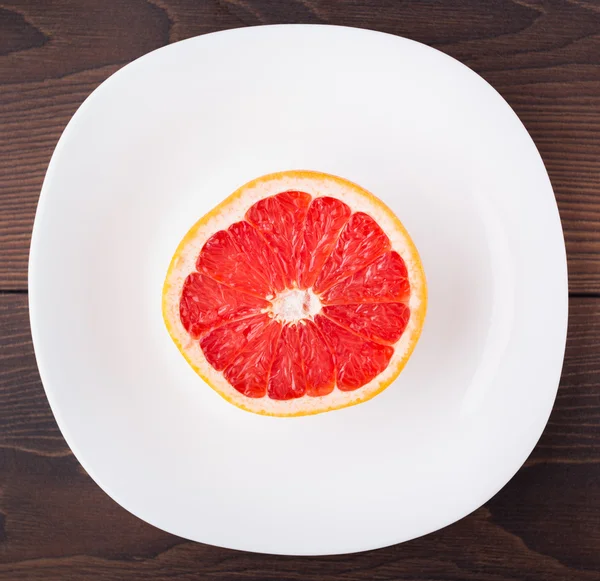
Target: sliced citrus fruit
point(300, 293)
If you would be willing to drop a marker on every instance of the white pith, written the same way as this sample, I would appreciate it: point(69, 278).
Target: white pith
point(322, 185)
point(293, 305)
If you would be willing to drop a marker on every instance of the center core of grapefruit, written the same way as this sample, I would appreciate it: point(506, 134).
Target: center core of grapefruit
point(293, 306)
point(299, 294)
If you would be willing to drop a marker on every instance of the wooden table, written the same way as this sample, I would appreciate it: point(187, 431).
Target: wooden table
point(543, 57)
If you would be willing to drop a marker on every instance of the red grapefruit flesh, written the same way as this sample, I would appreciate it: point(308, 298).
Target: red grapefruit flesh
point(287, 379)
point(383, 322)
point(385, 279)
point(361, 241)
point(280, 219)
point(324, 221)
point(318, 361)
point(206, 304)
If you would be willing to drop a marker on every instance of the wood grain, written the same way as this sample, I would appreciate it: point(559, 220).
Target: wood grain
point(55, 523)
point(543, 57)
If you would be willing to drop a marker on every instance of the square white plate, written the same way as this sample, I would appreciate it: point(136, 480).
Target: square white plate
point(168, 137)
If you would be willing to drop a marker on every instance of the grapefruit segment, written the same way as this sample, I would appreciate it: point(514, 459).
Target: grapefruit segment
point(299, 294)
point(258, 253)
point(318, 361)
point(325, 219)
point(249, 371)
point(360, 242)
point(221, 259)
point(206, 303)
point(288, 378)
point(382, 322)
point(357, 360)
point(385, 279)
point(280, 219)
point(221, 344)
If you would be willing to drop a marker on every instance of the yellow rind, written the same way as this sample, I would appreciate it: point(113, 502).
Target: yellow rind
point(419, 314)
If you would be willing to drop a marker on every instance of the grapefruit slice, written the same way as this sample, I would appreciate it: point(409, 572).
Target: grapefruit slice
point(300, 293)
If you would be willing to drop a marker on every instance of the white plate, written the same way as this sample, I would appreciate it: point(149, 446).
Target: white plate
point(168, 137)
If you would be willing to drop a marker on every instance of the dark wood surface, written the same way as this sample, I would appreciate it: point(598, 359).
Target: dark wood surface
point(543, 57)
